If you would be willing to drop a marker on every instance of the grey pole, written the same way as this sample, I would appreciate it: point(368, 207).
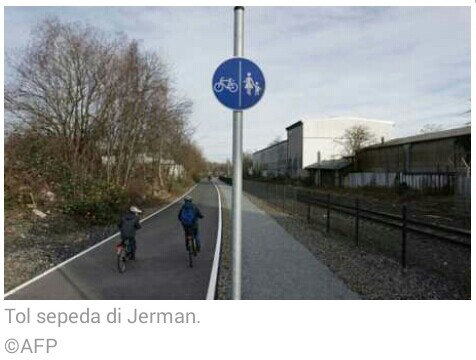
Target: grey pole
point(237, 163)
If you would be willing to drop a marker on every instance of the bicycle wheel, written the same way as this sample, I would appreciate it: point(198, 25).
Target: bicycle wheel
point(233, 87)
point(190, 252)
point(218, 87)
point(121, 261)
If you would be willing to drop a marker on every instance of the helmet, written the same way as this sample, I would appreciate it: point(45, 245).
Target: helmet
point(188, 198)
point(135, 210)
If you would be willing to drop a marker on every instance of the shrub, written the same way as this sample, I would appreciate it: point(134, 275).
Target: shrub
point(196, 177)
point(100, 205)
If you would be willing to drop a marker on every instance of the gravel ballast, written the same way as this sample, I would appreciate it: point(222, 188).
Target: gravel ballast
point(224, 271)
point(371, 275)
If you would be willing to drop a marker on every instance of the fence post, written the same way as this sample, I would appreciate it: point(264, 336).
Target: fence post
point(357, 222)
point(404, 236)
point(328, 218)
point(295, 210)
point(294, 201)
point(284, 197)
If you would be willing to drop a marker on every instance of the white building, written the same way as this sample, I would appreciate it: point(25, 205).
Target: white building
point(313, 140)
point(168, 167)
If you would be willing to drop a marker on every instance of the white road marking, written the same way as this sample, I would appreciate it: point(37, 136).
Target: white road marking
point(216, 260)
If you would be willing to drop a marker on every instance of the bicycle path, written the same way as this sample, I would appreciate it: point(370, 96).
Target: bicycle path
point(276, 266)
point(160, 272)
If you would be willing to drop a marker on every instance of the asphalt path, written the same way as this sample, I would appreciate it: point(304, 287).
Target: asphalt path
point(160, 271)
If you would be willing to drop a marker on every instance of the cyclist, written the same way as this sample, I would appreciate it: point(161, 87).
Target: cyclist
point(128, 224)
point(188, 215)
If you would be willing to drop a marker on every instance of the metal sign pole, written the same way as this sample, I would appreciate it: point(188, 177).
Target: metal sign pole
point(237, 162)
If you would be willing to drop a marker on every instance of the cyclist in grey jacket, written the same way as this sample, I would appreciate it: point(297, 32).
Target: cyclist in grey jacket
point(128, 224)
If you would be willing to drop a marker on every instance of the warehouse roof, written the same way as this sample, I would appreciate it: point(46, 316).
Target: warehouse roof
point(466, 130)
point(337, 118)
point(270, 146)
point(336, 164)
point(296, 124)
point(352, 118)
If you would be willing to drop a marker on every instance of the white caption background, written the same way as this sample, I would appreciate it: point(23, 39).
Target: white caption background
point(252, 330)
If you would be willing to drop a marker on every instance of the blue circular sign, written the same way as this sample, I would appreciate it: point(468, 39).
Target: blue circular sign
point(238, 83)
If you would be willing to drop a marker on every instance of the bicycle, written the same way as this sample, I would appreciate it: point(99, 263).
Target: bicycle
point(191, 248)
point(228, 84)
point(123, 253)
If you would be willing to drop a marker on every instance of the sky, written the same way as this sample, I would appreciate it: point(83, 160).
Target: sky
point(409, 65)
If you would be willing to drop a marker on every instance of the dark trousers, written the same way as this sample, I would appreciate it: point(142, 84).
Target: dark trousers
point(129, 243)
point(192, 230)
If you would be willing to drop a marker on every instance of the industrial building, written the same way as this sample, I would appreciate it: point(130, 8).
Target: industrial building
point(425, 161)
point(432, 152)
point(310, 141)
point(433, 161)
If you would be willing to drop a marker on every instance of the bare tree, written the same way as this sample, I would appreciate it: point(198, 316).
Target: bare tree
point(59, 89)
point(276, 140)
point(429, 128)
point(98, 111)
point(355, 138)
point(247, 163)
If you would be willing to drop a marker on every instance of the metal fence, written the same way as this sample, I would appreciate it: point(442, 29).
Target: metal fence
point(398, 231)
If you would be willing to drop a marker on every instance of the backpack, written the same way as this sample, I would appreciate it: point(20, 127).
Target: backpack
point(187, 217)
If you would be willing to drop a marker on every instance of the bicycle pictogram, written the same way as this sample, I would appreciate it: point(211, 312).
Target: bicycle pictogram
point(228, 84)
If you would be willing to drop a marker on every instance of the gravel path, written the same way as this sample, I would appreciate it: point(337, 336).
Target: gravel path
point(276, 266)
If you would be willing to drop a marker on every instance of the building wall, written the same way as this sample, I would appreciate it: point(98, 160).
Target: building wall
point(295, 151)
point(258, 162)
point(282, 158)
point(325, 136)
point(434, 156)
point(272, 160)
point(388, 159)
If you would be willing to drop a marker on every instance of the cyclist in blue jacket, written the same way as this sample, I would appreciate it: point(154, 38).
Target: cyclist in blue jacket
point(188, 215)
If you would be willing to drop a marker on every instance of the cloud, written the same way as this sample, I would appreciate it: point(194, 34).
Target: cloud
point(410, 65)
